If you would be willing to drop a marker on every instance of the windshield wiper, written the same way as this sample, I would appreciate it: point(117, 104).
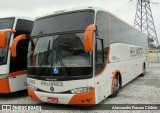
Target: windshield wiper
point(64, 68)
point(44, 60)
point(33, 46)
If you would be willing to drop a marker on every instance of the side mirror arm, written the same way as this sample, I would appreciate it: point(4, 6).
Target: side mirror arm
point(15, 42)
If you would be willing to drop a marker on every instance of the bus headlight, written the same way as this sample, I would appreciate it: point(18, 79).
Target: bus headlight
point(4, 76)
point(32, 87)
point(81, 90)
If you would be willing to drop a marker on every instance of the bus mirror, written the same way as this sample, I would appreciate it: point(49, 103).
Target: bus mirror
point(3, 35)
point(15, 42)
point(88, 37)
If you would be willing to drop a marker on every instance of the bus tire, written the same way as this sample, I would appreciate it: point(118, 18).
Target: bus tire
point(143, 71)
point(116, 86)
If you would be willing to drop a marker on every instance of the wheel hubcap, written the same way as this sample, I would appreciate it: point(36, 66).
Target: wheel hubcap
point(116, 85)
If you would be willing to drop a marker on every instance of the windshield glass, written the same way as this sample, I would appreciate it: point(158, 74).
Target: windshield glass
point(74, 21)
point(56, 46)
point(5, 23)
point(59, 52)
point(3, 56)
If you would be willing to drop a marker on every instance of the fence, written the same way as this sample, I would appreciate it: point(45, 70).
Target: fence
point(154, 56)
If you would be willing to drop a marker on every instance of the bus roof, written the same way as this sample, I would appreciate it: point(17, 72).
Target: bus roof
point(69, 10)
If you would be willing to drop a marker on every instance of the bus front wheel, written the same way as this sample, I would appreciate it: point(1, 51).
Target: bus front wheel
point(116, 87)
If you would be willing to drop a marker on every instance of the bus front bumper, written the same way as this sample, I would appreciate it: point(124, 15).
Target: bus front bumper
point(71, 99)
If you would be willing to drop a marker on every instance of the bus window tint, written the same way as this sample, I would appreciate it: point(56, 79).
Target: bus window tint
point(63, 23)
point(123, 33)
point(115, 27)
point(3, 56)
point(6, 23)
point(102, 34)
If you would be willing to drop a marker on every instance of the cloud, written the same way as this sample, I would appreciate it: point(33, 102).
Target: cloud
point(33, 8)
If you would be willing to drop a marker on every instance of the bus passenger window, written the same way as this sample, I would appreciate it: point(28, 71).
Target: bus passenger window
point(102, 41)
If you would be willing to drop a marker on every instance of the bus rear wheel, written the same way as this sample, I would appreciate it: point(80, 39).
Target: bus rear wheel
point(116, 87)
point(143, 71)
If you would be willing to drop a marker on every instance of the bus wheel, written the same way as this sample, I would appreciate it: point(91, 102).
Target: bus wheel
point(143, 71)
point(116, 86)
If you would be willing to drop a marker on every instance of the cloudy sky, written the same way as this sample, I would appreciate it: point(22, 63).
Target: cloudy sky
point(125, 9)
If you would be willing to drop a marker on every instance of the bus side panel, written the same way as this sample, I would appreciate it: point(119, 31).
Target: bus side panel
point(18, 83)
point(103, 82)
point(132, 60)
point(102, 88)
point(121, 61)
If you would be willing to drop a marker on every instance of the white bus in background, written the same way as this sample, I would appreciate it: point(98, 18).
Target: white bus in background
point(13, 73)
point(82, 56)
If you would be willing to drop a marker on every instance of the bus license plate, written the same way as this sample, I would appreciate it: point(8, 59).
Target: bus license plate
point(52, 99)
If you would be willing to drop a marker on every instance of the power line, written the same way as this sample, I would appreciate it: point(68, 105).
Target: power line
point(144, 21)
point(126, 3)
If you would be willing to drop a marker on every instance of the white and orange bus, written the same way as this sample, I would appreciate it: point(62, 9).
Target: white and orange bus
point(82, 56)
point(13, 73)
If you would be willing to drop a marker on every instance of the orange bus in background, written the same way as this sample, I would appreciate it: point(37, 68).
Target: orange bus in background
point(13, 33)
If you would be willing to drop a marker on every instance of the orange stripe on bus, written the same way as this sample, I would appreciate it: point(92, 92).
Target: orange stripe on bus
point(4, 86)
point(109, 30)
point(33, 96)
point(13, 74)
point(109, 38)
point(84, 99)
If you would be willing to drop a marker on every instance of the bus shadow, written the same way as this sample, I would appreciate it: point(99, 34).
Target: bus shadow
point(132, 82)
point(14, 95)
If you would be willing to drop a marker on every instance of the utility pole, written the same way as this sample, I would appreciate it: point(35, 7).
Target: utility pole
point(145, 23)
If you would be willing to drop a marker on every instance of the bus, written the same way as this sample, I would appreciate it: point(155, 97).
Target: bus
point(13, 70)
point(82, 56)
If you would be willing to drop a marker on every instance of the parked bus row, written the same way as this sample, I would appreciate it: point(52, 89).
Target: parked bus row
point(78, 56)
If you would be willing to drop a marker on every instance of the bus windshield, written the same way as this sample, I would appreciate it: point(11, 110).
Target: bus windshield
point(74, 21)
point(3, 56)
point(60, 52)
point(5, 23)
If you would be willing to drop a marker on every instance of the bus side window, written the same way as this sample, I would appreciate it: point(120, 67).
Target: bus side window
point(99, 55)
point(99, 51)
point(102, 44)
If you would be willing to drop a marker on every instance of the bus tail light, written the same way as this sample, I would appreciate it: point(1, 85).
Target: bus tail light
point(81, 90)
